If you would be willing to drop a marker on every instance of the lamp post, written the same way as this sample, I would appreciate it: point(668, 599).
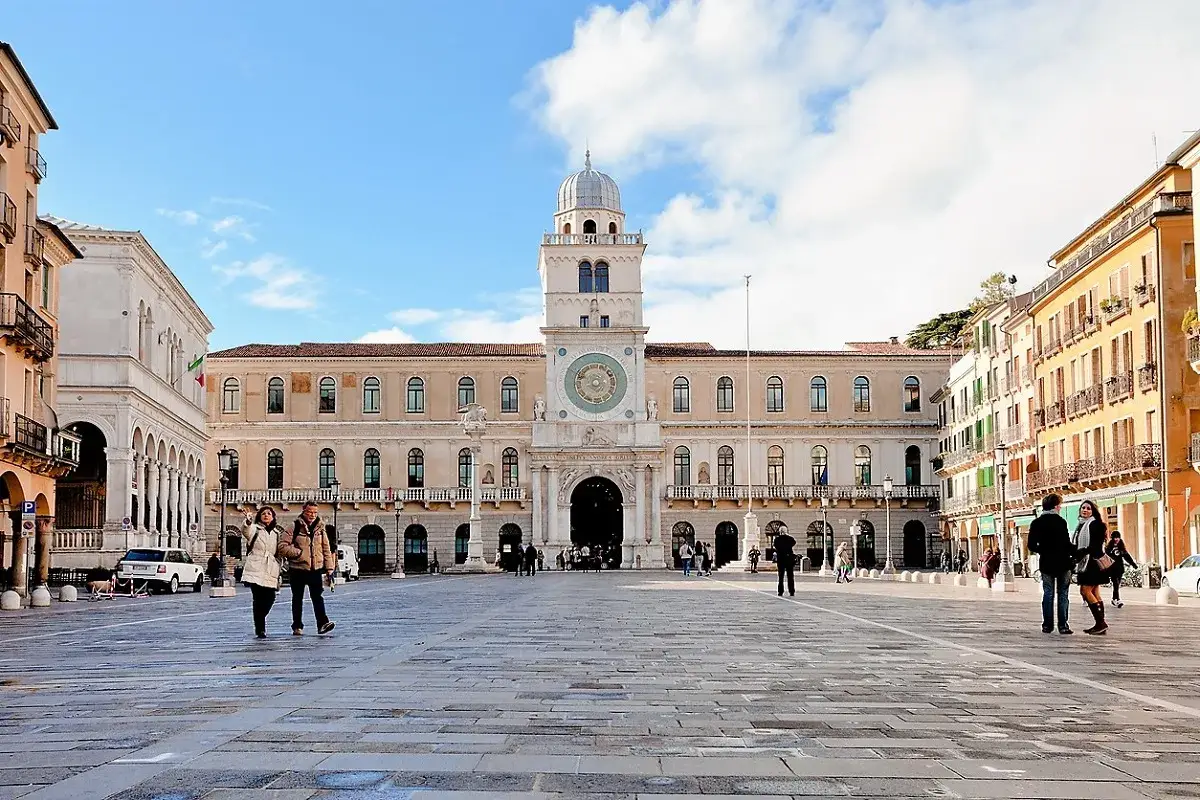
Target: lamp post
point(854, 531)
point(221, 587)
point(336, 486)
point(889, 569)
point(1005, 582)
point(824, 527)
point(398, 572)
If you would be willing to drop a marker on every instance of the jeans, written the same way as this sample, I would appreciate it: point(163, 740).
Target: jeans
point(314, 581)
point(264, 598)
point(1059, 584)
point(786, 569)
point(687, 566)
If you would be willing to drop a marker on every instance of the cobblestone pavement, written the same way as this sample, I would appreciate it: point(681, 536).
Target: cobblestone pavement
point(598, 686)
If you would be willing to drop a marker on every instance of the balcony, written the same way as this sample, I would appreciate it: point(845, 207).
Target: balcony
point(1194, 451)
point(8, 218)
point(1119, 387)
point(1026, 375)
point(422, 494)
point(67, 447)
point(1014, 434)
point(20, 324)
point(1120, 463)
point(10, 128)
point(1148, 377)
point(1039, 419)
point(35, 165)
point(792, 493)
point(555, 239)
point(1193, 346)
point(35, 246)
point(29, 434)
point(1114, 307)
point(1055, 413)
point(1173, 203)
point(1053, 347)
point(1085, 400)
point(1145, 293)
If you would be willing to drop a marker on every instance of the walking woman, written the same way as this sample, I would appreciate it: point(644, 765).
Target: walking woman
point(1115, 549)
point(1091, 565)
point(261, 568)
point(844, 563)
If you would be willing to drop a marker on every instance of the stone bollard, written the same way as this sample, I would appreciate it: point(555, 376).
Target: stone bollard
point(68, 594)
point(934, 578)
point(905, 576)
point(915, 577)
point(1166, 596)
point(982, 583)
point(960, 579)
point(10, 601)
point(864, 573)
point(874, 573)
point(40, 598)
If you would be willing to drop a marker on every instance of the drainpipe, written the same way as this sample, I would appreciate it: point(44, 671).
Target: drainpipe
point(1164, 509)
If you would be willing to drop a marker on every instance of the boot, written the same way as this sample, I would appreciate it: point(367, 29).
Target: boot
point(1101, 626)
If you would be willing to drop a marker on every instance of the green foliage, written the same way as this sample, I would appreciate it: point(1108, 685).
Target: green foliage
point(993, 289)
point(941, 331)
point(1191, 322)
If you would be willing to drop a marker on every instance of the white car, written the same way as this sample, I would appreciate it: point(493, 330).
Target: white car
point(164, 569)
point(347, 564)
point(1185, 577)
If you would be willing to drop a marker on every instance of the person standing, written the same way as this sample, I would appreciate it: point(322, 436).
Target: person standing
point(308, 570)
point(1092, 564)
point(685, 558)
point(530, 560)
point(213, 568)
point(785, 559)
point(962, 561)
point(541, 561)
point(261, 567)
point(1049, 538)
point(844, 563)
point(755, 555)
point(1115, 549)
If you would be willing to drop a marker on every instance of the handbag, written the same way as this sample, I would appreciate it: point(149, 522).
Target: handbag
point(1105, 562)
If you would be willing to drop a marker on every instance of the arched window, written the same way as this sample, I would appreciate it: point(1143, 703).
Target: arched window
point(327, 403)
point(601, 284)
point(275, 396)
point(912, 466)
point(912, 394)
point(612, 228)
point(466, 392)
point(232, 473)
point(862, 465)
point(326, 471)
point(725, 394)
point(371, 469)
point(231, 396)
point(585, 277)
point(683, 466)
point(416, 396)
point(775, 393)
point(371, 396)
point(775, 465)
point(862, 394)
point(567, 228)
point(818, 395)
point(681, 396)
point(416, 469)
point(464, 467)
point(725, 466)
point(275, 469)
point(820, 466)
point(589, 226)
point(509, 473)
point(508, 396)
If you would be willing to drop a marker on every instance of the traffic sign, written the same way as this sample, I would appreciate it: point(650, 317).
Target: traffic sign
point(28, 507)
point(126, 524)
point(27, 527)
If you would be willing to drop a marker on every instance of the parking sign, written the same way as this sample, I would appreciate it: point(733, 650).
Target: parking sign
point(28, 508)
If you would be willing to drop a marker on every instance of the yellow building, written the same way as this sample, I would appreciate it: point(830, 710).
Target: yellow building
point(1110, 374)
point(33, 452)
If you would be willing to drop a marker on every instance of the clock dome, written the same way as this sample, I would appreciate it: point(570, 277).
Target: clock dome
point(589, 188)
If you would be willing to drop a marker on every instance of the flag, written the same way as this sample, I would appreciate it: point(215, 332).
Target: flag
point(198, 364)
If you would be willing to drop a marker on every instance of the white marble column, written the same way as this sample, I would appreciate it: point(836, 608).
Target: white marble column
point(180, 525)
point(151, 496)
point(139, 473)
point(640, 500)
point(164, 479)
point(539, 531)
point(189, 510)
point(552, 506)
point(171, 521)
point(657, 557)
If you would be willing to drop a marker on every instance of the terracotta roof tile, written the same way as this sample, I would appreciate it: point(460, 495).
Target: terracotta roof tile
point(381, 350)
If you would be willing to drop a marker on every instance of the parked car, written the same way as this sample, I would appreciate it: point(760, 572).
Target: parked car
point(347, 564)
point(163, 569)
point(1185, 577)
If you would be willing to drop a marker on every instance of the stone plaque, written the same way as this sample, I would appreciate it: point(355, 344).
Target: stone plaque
point(301, 383)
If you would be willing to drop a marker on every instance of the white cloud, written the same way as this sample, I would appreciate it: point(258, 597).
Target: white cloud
point(209, 248)
point(233, 225)
point(184, 217)
point(276, 282)
point(511, 317)
point(243, 202)
point(868, 163)
point(391, 335)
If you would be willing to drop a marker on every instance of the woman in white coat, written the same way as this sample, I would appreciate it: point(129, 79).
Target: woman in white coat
point(260, 570)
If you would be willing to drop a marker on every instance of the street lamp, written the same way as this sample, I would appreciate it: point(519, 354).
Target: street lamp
point(224, 464)
point(1005, 583)
point(336, 486)
point(398, 572)
point(889, 569)
point(824, 528)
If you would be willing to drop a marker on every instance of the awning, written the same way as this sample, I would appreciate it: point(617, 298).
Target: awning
point(1022, 522)
point(1070, 513)
point(987, 525)
point(1126, 500)
point(1148, 497)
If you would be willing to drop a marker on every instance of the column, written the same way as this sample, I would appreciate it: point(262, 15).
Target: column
point(656, 490)
point(1145, 534)
point(171, 519)
point(139, 475)
point(150, 493)
point(164, 478)
point(20, 558)
point(538, 529)
point(1126, 523)
point(189, 504)
point(180, 525)
point(643, 535)
point(199, 509)
point(552, 506)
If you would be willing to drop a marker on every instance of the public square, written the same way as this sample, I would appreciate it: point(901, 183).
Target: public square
point(613, 685)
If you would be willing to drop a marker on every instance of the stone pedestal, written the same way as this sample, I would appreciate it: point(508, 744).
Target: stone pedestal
point(1003, 583)
point(39, 598)
point(10, 601)
point(228, 590)
point(473, 419)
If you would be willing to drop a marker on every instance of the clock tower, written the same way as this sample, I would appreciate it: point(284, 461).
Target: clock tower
point(596, 432)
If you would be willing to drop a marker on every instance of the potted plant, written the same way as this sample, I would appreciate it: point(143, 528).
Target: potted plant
point(1190, 324)
point(1110, 304)
point(1140, 288)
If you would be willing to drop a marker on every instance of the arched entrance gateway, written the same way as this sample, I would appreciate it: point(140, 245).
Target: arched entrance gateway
point(597, 519)
point(370, 549)
point(915, 553)
point(416, 549)
point(725, 541)
point(510, 541)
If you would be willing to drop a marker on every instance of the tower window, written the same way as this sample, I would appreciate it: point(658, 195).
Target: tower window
point(583, 322)
point(612, 228)
point(585, 277)
point(601, 283)
point(589, 226)
point(604, 320)
point(567, 228)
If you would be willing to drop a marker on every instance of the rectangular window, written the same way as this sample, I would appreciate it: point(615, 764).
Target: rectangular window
point(603, 320)
point(1189, 261)
point(725, 394)
point(416, 396)
point(45, 287)
point(583, 322)
point(508, 396)
point(371, 396)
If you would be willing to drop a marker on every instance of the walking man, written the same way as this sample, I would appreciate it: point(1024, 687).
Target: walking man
point(1048, 537)
point(685, 557)
point(785, 559)
point(310, 569)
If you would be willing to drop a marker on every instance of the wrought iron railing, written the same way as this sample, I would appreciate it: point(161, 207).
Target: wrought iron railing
point(1194, 449)
point(1126, 460)
point(8, 217)
point(29, 434)
point(35, 245)
point(1119, 386)
point(1193, 346)
point(18, 319)
point(35, 164)
point(1148, 377)
point(10, 127)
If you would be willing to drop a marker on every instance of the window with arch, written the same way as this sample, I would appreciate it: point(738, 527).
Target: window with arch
point(725, 466)
point(567, 228)
point(818, 394)
point(775, 393)
point(681, 396)
point(612, 228)
point(912, 466)
point(371, 469)
point(509, 467)
point(327, 396)
point(234, 469)
point(275, 396)
point(862, 394)
point(466, 392)
point(415, 401)
point(725, 394)
point(683, 466)
point(416, 469)
point(775, 465)
point(371, 396)
point(275, 469)
point(819, 458)
point(231, 396)
point(585, 277)
point(464, 467)
point(862, 465)
point(601, 277)
point(912, 394)
point(509, 396)
point(589, 226)
point(326, 469)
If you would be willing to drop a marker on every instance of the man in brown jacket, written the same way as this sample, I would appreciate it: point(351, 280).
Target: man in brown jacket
point(315, 563)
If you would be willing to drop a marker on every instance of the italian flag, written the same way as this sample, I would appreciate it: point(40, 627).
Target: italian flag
point(197, 366)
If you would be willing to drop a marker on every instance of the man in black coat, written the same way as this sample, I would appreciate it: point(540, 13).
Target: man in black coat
point(785, 559)
point(1049, 538)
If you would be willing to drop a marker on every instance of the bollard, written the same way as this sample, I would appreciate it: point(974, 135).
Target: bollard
point(960, 579)
point(864, 573)
point(68, 594)
point(935, 578)
point(905, 576)
point(915, 577)
point(874, 573)
point(40, 598)
point(10, 601)
point(1166, 596)
point(982, 583)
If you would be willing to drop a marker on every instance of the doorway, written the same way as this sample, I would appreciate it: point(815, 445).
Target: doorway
point(416, 549)
point(915, 555)
point(597, 519)
point(370, 549)
point(510, 547)
point(681, 532)
point(725, 542)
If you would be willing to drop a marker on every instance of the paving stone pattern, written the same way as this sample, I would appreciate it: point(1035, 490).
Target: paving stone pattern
point(597, 686)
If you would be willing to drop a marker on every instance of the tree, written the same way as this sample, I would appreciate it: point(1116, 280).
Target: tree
point(995, 288)
point(941, 331)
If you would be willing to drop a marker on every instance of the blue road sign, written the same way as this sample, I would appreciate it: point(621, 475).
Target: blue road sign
point(28, 507)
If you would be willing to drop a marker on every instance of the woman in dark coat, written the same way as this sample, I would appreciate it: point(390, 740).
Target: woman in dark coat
point(1088, 541)
point(1115, 549)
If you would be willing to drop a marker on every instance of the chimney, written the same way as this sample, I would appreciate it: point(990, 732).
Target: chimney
point(895, 340)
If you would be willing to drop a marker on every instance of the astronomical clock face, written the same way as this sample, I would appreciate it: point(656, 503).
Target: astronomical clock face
point(595, 383)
